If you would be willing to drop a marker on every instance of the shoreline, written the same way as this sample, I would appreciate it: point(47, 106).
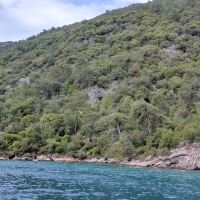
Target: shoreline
point(186, 157)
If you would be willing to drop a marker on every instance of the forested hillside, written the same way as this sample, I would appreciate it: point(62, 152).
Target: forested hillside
point(124, 85)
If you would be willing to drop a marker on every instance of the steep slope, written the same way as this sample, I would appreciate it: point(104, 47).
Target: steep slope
point(125, 84)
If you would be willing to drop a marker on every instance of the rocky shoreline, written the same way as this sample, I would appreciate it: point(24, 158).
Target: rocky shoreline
point(182, 158)
point(185, 157)
point(44, 158)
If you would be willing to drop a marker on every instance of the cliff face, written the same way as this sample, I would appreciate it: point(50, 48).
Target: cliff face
point(183, 158)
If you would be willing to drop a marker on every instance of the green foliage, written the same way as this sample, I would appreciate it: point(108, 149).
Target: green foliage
point(81, 155)
point(95, 151)
point(16, 145)
point(25, 146)
point(10, 138)
point(189, 129)
point(3, 141)
point(53, 121)
point(140, 67)
point(167, 139)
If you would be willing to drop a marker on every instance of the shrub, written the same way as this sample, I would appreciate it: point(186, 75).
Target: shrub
point(58, 149)
point(81, 154)
point(10, 138)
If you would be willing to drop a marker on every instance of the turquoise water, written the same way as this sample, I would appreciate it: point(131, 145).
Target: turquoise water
point(51, 180)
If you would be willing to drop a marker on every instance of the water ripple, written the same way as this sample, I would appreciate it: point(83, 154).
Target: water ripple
point(49, 180)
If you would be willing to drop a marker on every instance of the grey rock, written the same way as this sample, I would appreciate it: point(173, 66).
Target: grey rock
point(186, 158)
point(170, 51)
point(43, 158)
point(183, 158)
point(95, 93)
point(149, 158)
point(21, 81)
point(22, 158)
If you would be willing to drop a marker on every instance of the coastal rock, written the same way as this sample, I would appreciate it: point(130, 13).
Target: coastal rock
point(183, 158)
point(111, 161)
point(64, 159)
point(43, 158)
point(93, 160)
point(22, 158)
point(18, 158)
point(103, 160)
point(149, 158)
point(56, 159)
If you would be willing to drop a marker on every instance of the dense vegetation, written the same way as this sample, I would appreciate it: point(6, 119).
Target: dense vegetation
point(144, 60)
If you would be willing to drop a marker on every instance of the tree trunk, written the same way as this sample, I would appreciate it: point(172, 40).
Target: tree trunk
point(76, 122)
point(148, 120)
point(90, 136)
point(119, 131)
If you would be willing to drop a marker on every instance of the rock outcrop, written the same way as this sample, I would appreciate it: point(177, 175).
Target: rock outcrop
point(183, 158)
point(43, 158)
point(65, 159)
point(170, 51)
point(95, 93)
point(103, 160)
point(22, 158)
point(21, 81)
point(56, 159)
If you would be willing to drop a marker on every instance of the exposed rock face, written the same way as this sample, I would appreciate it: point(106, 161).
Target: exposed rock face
point(21, 81)
point(22, 158)
point(170, 50)
point(84, 42)
point(103, 160)
point(43, 158)
point(65, 159)
point(95, 93)
point(184, 158)
point(56, 159)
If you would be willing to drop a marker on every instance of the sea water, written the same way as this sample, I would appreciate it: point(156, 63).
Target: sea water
point(23, 180)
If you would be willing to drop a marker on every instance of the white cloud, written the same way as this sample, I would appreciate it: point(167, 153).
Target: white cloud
point(20, 19)
point(122, 3)
point(23, 18)
point(131, 1)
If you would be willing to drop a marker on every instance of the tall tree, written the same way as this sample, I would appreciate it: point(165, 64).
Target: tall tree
point(77, 102)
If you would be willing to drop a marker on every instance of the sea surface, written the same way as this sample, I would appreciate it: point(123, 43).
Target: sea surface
point(23, 180)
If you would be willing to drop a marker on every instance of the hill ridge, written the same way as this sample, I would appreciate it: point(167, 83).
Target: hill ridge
point(147, 54)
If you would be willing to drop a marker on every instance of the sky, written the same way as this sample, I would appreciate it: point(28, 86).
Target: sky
point(20, 19)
